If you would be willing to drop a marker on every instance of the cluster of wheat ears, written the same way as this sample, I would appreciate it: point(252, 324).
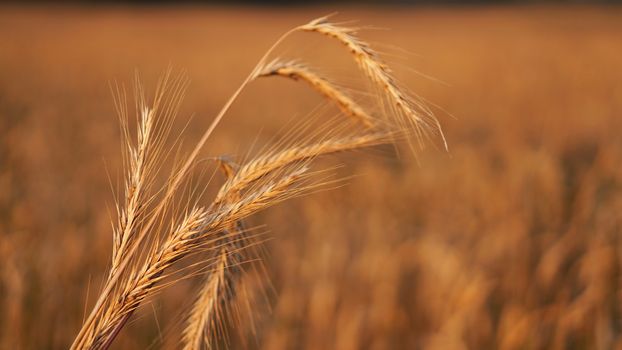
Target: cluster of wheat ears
point(148, 240)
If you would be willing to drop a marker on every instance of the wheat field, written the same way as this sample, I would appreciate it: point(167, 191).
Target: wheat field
point(507, 240)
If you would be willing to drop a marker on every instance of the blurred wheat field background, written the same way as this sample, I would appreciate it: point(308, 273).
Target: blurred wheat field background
point(510, 240)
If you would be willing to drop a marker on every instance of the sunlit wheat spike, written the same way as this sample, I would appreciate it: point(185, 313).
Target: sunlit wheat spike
point(196, 230)
point(130, 214)
point(143, 279)
point(406, 109)
point(267, 163)
point(142, 158)
point(269, 193)
point(210, 310)
point(299, 71)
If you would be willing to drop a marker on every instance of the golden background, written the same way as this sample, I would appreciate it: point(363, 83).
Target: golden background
point(511, 240)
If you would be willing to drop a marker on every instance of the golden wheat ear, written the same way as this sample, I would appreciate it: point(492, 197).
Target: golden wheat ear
point(407, 111)
point(210, 312)
point(298, 71)
point(209, 315)
point(266, 164)
point(143, 279)
point(198, 230)
point(143, 156)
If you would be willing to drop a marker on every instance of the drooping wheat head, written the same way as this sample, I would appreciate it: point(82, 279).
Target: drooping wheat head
point(407, 111)
point(299, 71)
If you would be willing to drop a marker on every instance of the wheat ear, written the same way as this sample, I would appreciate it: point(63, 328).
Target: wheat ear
point(219, 288)
point(298, 71)
point(143, 279)
point(268, 163)
point(208, 312)
point(142, 158)
point(198, 229)
point(407, 110)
